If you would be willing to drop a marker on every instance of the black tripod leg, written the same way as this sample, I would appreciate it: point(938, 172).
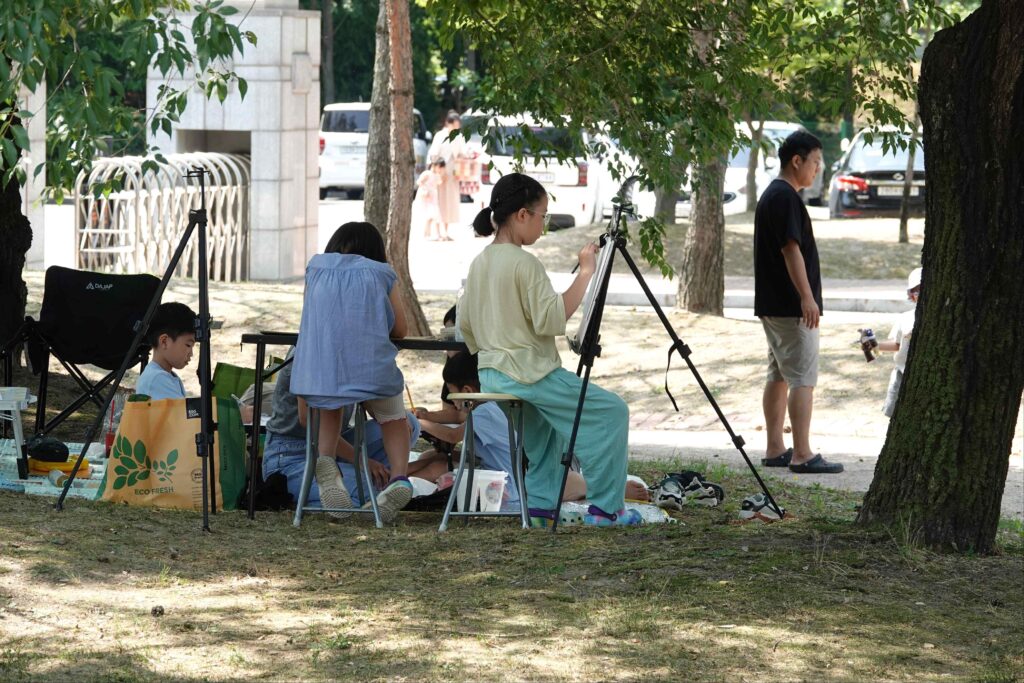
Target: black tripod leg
point(590, 348)
point(207, 426)
point(684, 352)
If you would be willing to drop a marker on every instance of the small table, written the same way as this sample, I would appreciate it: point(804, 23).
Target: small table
point(262, 339)
point(13, 400)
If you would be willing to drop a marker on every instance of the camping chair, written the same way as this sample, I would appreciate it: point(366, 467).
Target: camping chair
point(86, 319)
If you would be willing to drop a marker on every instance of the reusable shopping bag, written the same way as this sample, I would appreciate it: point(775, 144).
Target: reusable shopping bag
point(153, 461)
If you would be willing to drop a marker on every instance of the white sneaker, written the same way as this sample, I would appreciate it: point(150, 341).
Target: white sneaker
point(392, 499)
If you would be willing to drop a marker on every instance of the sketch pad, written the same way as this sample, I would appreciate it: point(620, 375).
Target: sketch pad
point(604, 263)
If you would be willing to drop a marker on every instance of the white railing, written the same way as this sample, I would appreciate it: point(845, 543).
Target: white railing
point(137, 228)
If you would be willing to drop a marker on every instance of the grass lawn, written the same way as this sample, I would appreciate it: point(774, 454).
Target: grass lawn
point(111, 593)
point(863, 249)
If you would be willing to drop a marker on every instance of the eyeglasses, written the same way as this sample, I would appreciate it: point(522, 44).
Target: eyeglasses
point(546, 217)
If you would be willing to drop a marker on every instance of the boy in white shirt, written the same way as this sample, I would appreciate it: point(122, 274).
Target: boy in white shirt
point(172, 336)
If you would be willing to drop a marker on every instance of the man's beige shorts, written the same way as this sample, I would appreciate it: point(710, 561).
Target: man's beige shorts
point(792, 352)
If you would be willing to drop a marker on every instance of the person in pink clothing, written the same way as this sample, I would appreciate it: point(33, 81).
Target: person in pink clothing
point(427, 204)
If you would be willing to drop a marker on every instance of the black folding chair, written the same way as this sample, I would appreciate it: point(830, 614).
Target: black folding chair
point(86, 319)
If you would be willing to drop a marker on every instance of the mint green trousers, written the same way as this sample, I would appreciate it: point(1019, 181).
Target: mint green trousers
point(548, 413)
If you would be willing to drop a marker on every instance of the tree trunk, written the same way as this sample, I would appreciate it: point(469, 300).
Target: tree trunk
point(665, 200)
point(15, 240)
point(402, 161)
point(941, 473)
point(908, 182)
point(752, 161)
point(327, 51)
point(378, 149)
point(702, 279)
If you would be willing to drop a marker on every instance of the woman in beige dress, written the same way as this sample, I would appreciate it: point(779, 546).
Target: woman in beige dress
point(449, 151)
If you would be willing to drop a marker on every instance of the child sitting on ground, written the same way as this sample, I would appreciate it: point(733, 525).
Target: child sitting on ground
point(172, 334)
point(285, 449)
point(490, 427)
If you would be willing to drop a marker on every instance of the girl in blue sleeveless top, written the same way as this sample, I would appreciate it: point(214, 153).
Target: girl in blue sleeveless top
point(350, 312)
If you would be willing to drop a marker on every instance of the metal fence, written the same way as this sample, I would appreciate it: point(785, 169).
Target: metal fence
point(137, 228)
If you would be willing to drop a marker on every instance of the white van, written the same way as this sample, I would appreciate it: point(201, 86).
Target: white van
point(573, 197)
point(344, 133)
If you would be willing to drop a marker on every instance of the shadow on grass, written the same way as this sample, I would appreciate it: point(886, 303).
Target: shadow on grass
point(704, 599)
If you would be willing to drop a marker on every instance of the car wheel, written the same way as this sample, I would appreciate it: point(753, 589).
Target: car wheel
point(323, 193)
point(814, 201)
point(354, 194)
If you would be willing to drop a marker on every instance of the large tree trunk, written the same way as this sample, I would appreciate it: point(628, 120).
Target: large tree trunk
point(327, 51)
point(402, 161)
point(702, 280)
point(378, 149)
point(943, 467)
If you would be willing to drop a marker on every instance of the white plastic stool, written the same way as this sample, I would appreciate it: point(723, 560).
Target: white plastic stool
point(512, 406)
point(362, 465)
point(13, 400)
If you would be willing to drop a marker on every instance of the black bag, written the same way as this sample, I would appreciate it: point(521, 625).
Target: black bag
point(47, 449)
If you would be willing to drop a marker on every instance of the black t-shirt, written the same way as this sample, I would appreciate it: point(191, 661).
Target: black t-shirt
point(781, 217)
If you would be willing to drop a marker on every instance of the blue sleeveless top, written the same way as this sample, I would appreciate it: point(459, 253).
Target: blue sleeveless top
point(344, 353)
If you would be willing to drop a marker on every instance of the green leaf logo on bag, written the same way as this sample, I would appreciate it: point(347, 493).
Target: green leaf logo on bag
point(132, 464)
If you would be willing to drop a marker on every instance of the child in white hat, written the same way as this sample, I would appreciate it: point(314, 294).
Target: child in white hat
point(899, 342)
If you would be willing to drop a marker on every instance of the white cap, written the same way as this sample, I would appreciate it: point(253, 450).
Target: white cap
point(914, 279)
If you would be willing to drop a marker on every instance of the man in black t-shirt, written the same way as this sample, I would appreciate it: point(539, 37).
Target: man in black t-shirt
point(787, 299)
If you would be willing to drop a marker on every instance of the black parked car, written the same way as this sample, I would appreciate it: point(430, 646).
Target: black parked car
point(869, 182)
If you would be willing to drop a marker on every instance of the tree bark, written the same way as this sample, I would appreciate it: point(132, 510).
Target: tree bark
point(908, 182)
point(15, 240)
point(941, 473)
point(665, 200)
point(752, 160)
point(378, 149)
point(402, 160)
point(327, 51)
point(702, 279)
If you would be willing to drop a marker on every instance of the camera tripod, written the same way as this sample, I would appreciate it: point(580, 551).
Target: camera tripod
point(589, 345)
point(204, 439)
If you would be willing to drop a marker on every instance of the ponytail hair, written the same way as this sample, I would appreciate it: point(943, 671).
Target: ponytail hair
point(512, 192)
point(358, 237)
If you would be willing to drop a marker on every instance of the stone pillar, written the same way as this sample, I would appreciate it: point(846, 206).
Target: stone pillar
point(32, 191)
point(277, 123)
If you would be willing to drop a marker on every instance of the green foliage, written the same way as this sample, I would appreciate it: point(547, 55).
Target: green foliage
point(80, 48)
point(667, 79)
point(355, 38)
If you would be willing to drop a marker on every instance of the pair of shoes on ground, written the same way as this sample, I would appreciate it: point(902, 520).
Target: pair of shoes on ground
point(680, 489)
point(816, 465)
point(334, 495)
point(758, 508)
point(595, 516)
